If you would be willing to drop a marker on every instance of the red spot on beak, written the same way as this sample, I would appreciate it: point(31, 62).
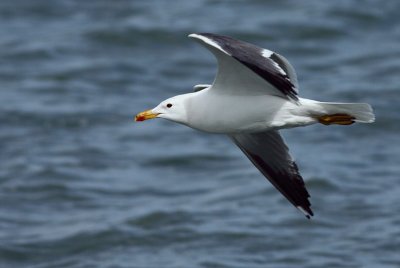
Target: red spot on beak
point(148, 114)
point(140, 118)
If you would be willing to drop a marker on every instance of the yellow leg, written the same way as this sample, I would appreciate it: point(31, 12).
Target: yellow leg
point(339, 119)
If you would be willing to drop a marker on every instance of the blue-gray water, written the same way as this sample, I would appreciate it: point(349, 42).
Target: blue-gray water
point(82, 185)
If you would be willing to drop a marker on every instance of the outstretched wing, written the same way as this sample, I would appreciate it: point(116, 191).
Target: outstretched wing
point(269, 153)
point(246, 68)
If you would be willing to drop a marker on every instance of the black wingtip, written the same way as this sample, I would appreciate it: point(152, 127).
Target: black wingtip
point(306, 211)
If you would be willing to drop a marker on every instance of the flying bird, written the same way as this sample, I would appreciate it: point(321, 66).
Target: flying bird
point(254, 94)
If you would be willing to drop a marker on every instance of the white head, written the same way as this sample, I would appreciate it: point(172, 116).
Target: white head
point(173, 109)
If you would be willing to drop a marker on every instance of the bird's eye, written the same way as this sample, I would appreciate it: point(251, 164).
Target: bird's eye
point(169, 105)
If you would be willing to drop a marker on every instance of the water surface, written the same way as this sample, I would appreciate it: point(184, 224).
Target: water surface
point(81, 185)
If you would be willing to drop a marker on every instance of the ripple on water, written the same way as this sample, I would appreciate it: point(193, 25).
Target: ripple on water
point(188, 161)
point(81, 186)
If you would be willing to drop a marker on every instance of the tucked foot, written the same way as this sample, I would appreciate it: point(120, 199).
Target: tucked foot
point(338, 119)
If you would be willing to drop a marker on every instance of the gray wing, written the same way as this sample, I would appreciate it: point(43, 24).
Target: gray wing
point(244, 66)
point(269, 153)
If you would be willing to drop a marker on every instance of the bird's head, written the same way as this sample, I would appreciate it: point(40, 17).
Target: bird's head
point(172, 109)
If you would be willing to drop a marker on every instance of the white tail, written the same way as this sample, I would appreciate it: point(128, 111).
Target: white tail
point(362, 112)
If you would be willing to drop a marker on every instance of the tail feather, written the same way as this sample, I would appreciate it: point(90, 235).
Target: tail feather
point(362, 112)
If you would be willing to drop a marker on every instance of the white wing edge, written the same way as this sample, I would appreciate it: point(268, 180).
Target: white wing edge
point(208, 41)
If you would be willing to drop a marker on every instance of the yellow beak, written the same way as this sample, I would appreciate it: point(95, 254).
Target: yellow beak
point(145, 115)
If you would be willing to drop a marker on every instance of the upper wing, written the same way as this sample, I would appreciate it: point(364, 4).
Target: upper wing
point(269, 153)
point(247, 68)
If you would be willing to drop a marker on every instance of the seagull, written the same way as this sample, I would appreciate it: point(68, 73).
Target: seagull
point(254, 94)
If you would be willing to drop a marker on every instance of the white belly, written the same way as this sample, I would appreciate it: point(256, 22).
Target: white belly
point(221, 113)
